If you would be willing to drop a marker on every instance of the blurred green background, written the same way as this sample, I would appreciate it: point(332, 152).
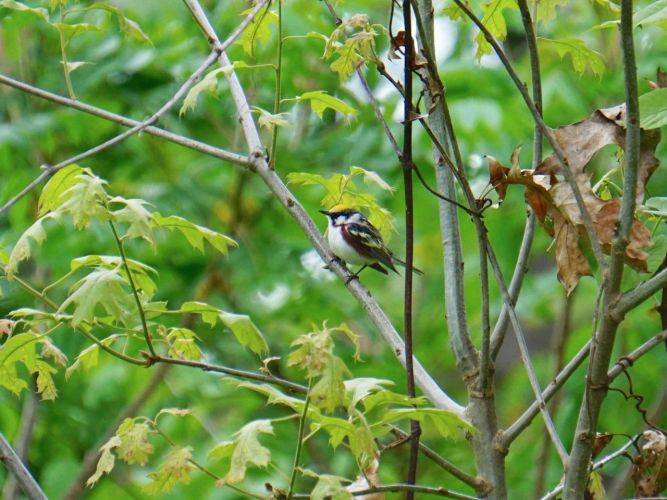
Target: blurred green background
point(265, 277)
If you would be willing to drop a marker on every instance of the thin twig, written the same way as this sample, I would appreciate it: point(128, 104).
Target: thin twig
point(525, 358)
point(14, 465)
point(128, 122)
point(597, 465)
point(406, 160)
point(521, 266)
point(52, 169)
point(639, 294)
point(481, 487)
point(629, 359)
point(299, 442)
point(412, 488)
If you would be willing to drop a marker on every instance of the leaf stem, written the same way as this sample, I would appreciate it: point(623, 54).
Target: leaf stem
point(299, 442)
point(135, 292)
point(63, 52)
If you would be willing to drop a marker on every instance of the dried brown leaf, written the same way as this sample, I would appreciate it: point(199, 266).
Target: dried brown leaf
point(570, 260)
point(649, 469)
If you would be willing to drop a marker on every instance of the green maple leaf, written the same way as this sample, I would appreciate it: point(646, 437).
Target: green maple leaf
point(134, 447)
point(193, 233)
point(134, 214)
point(248, 450)
point(175, 469)
point(102, 287)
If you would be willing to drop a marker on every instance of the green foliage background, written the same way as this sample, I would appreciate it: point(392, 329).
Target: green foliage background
point(134, 78)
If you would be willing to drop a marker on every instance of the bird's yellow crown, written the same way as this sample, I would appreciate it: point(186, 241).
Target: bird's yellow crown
point(341, 208)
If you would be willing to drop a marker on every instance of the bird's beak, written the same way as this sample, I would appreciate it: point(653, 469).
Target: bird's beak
point(325, 212)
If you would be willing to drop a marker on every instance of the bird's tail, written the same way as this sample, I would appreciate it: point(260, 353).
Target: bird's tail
point(402, 264)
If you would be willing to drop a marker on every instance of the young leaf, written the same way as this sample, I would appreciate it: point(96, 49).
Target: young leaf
point(245, 331)
point(193, 233)
point(134, 214)
point(357, 389)
point(21, 7)
point(140, 271)
point(247, 450)
point(329, 391)
point(494, 21)
point(50, 350)
point(134, 447)
point(653, 109)
point(208, 84)
point(274, 396)
point(270, 121)
point(22, 250)
point(18, 348)
point(106, 462)
point(320, 101)
point(52, 195)
point(329, 486)
point(653, 14)
point(546, 9)
point(182, 344)
point(176, 468)
point(371, 177)
point(85, 200)
point(208, 313)
point(337, 428)
point(127, 26)
point(348, 60)
point(581, 56)
point(103, 287)
point(258, 30)
point(446, 422)
point(45, 385)
point(89, 357)
point(69, 31)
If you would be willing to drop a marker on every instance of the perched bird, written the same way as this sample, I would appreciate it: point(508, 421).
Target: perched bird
point(355, 240)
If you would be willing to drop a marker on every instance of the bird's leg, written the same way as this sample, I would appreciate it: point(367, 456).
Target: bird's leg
point(355, 276)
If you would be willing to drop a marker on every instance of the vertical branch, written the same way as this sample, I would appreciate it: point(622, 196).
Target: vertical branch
point(489, 456)
point(526, 244)
point(63, 53)
point(278, 92)
point(409, 235)
point(576, 477)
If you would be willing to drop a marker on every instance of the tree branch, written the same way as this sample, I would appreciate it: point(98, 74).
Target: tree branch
point(127, 122)
point(639, 294)
point(289, 202)
point(576, 476)
point(50, 170)
point(629, 359)
point(14, 465)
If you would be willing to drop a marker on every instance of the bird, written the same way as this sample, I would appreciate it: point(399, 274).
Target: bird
point(355, 240)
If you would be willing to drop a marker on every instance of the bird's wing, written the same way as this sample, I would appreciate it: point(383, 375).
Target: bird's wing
point(368, 241)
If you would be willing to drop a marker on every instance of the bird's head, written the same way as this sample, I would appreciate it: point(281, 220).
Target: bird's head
point(342, 214)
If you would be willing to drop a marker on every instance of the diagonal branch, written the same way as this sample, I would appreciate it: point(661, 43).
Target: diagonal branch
point(14, 465)
point(289, 202)
point(49, 170)
point(127, 122)
point(633, 298)
point(537, 117)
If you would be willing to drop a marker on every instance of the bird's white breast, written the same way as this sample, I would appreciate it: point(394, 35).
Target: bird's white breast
point(342, 249)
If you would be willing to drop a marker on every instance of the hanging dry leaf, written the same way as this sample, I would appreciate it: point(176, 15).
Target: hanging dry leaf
point(649, 469)
point(554, 202)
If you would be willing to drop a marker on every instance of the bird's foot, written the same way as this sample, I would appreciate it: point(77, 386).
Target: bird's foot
point(351, 277)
